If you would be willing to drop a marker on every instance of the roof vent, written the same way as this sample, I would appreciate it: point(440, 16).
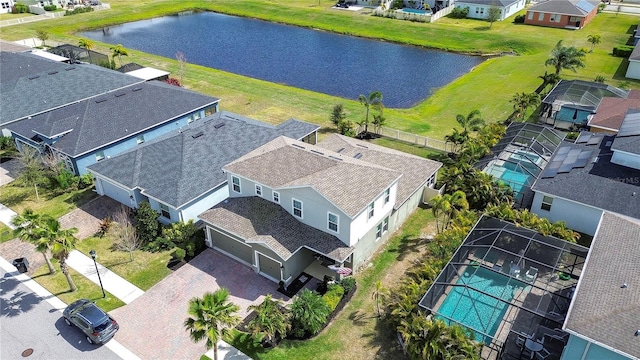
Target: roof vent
point(53, 72)
point(137, 89)
point(120, 94)
point(340, 150)
point(624, 286)
point(197, 135)
point(335, 157)
point(218, 126)
point(34, 77)
point(298, 146)
point(362, 146)
point(595, 160)
point(358, 156)
point(317, 152)
point(637, 332)
point(70, 68)
point(98, 101)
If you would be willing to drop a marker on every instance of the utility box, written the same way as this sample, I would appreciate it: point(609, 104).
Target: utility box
point(22, 264)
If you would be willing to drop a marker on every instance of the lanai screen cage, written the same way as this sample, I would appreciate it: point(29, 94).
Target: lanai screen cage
point(505, 280)
point(519, 157)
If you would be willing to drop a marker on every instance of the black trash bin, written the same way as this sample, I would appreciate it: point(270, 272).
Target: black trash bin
point(22, 264)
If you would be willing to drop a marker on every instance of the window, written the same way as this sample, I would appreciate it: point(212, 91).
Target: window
point(541, 17)
point(530, 15)
point(236, 184)
point(371, 211)
point(555, 18)
point(196, 116)
point(297, 208)
point(332, 220)
point(258, 190)
point(189, 119)
point(100, 155)
point(546, 203)
point(387, 195)
point(385, 225)
point(210, 110)
point(431, 181)
point(140, 139)
point(378, 231)
point(574, 19)
point(164, 210)
point(276, 197)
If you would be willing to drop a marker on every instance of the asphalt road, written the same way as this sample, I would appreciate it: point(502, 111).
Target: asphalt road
point(28, 321)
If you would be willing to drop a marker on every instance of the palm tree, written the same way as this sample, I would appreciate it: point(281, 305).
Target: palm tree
point(270, 320)
point(566, 57)
point(87, 44)
point(63, 243)
point(440, 207)
point(472, 122)
point(212, 316)
point(378, 294)
point(523, 101)
point(309, 312)
point(547, 79)
point(374, 100)
point(28, 229)
point(120, 51)
point(594, 40)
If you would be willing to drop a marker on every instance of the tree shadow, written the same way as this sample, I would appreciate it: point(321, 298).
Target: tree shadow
point(621, 71)
point(409, 245)
point(359, 318)
point(384, 337)
point(14, 198)
point(482, 28)
point(18, 303)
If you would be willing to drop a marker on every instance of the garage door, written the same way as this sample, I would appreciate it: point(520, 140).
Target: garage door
point(269, 268)
point(231, 246)
point(115, 192)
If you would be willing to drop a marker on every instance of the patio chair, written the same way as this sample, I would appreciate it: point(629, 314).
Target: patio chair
point(531, 274)
point(522, 337)
point(542, 354)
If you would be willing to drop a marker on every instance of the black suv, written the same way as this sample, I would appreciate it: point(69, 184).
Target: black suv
point(96, 324)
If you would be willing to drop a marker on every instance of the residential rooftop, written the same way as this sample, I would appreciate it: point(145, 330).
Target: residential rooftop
point(32, 85)
point(628, 138)
point(612, 111)
point(606, 304)
point(566, 7)
point(180, 166)
point(92, 123)
point(580, 94)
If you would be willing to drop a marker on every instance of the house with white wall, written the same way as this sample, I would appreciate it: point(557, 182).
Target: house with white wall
point(293, 206)
point(180, 174)
point(479, 9)
point(597, 173)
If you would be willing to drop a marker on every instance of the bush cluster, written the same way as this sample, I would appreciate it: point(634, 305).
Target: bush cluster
point(50, 7)
point(519, 19)
point(20, 9)
point(78, 10)
point(332, 297)
point(459, 13)
point(622, 51)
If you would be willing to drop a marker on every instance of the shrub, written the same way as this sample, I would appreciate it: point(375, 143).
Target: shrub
point(459, 13)
point(397, 4)
point(86, 180)
point(178, 254)
point(333, 296)
point(78, 10)
point(309, 313)
point(622, 51)
point(50, 7)
point(66, 179)
point(160, 244)
point(173, 81)
point(519, 19)
point(108, 64)
point(146, 221)
point(348, 283)
point(20, 9)
point(105, 225)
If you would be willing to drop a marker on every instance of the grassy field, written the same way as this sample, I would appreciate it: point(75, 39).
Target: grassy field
point(487, 88)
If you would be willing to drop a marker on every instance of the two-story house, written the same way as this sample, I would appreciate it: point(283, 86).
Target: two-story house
point(91, 130)
point(180, 173)
point(293, 205)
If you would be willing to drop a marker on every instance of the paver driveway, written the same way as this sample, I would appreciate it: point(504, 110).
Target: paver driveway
point(151, 326)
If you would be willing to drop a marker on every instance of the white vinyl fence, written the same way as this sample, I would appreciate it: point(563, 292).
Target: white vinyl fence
point(412, 138)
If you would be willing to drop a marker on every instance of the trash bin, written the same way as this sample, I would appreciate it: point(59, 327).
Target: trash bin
point(22, 264)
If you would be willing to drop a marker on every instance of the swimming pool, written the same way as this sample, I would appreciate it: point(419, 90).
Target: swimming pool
point(416, 11)
point(475, 309)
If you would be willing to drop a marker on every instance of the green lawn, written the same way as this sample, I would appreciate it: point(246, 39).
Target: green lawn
point(487, 88)
point(13, 16)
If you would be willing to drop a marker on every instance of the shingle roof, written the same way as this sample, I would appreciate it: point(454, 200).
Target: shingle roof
point(11, 46)
point(628, 138)
point(257, 220)
point(96, 122)
point(603, 310)
point(501, 3)
point(612, 110)
point(347, 182)
point(602, 184)
point(415, 170)
point(32, 84)
point(566, 7)
point(180, 166)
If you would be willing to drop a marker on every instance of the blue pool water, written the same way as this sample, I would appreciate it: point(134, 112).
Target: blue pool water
point(474, 309)
point(415, 11)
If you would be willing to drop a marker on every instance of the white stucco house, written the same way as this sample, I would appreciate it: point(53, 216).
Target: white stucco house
point(294, 207)
point(479, 9)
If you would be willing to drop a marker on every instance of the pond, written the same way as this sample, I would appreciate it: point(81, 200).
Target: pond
point(319, 61)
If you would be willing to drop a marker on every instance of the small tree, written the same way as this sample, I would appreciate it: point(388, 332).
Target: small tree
point(378, 294)
point(146, 223)
point(270, 319)
point(211, 318)
point(119, 51)
point(42, 36)
point(337, 115)
point(373, 101)
point(87, 44)
point(33, 172)
point(182, 65)
point(64, 243)
point(566, 57)
point(594, 40)
point(309, 313)
point(125, 233)
point(493, 15)
point(523, 101)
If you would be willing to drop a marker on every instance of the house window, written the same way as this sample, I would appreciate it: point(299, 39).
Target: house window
point(574, 19)
point(385, 225)
point(378, 231)
point(100, 155)
point(140, 139)
point(164, 210)
point(431, 181)
point(554, 18)
point(276, 197)
point(210, 110)
point(297, 208)
point(541, 17)
point(189, 119)
point(546, 203)
point(332, 220)
point(530, 15)
point(5, 5)
point(236, 184)
point(258, 190)
point(370, 211)
point(387, 195)
point(196, 116)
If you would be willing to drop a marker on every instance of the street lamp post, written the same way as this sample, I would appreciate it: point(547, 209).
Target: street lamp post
point(94, 256)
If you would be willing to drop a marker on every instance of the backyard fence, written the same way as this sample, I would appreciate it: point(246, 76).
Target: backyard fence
point(412, 138)
point(46, 15)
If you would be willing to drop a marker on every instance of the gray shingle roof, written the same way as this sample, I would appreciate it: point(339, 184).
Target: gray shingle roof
point(257, 220)
point(602, 309)
point(349, 183)
point(500, 3)
point(603, 184)
point(415, 170)
point(96, 122)
point(32, 84)
point(11, 46)
point(628, 138)
point(566, 7)
point(178, 167)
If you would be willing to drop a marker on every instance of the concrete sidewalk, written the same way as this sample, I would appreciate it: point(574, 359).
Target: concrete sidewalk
point(6, 216)
point(116, 285)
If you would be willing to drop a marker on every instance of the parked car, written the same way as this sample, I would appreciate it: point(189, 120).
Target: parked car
point(96, 324)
